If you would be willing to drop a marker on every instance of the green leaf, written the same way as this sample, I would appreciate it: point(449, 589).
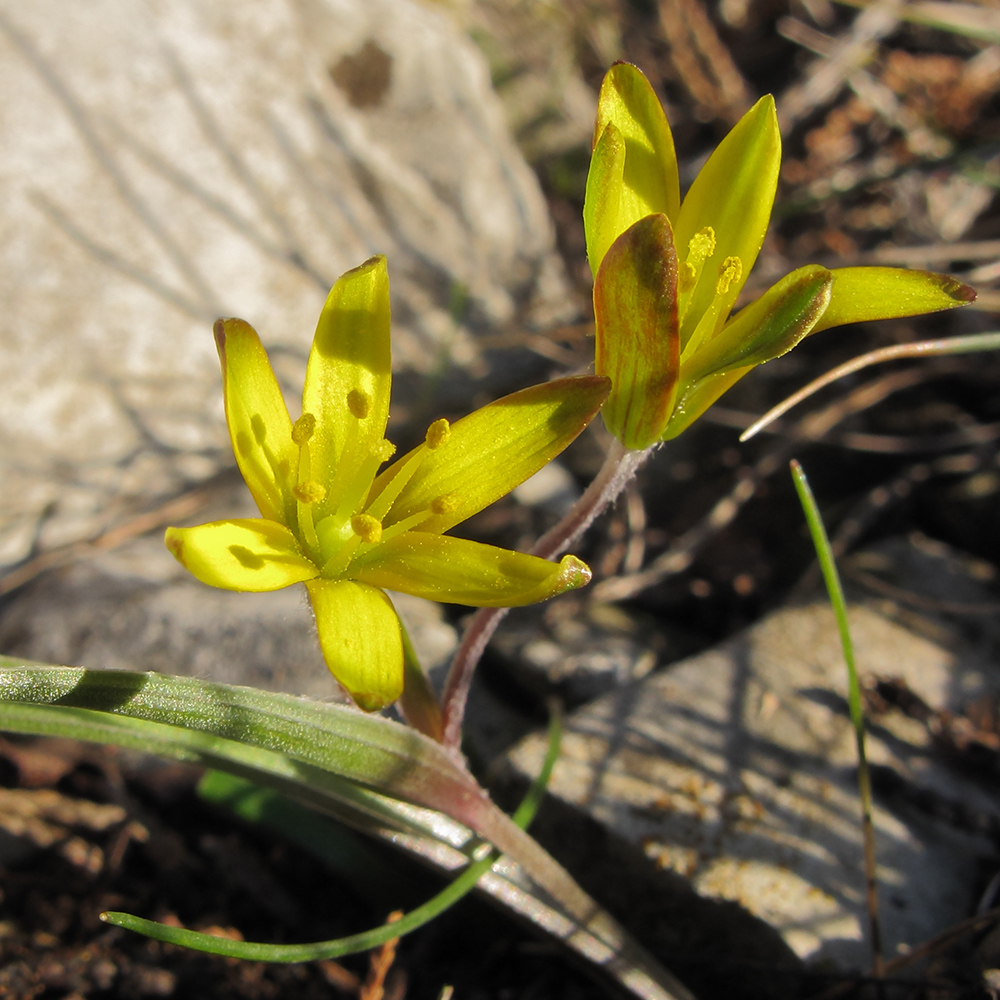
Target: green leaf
point(367, 770)
point(365, 941)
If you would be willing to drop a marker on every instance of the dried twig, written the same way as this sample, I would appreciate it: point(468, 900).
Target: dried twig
point(381, 962)
point(173, 510)
point(702, 60)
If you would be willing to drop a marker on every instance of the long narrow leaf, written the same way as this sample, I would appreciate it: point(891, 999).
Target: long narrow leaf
point(365, 941)
point(824, 553)
point(366, 770)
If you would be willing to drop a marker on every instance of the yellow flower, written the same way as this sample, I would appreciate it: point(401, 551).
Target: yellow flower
point(667, 273)
point(330, 520)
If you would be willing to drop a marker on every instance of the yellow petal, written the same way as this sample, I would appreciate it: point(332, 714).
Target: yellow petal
point(242, 554)
point(348, 377)
point(458, 571)
point(259, 424)
point(494, 449)
point(643, 173)
point(638, 345)
point(863, 294)
point(602, 201)
point(360, 637)
point(733, 195)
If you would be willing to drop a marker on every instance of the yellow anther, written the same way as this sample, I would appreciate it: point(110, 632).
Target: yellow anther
point(687, 276)
point(366, 527)
point(701, 246)
point(384, 450)
point(731, 270)
point(359, 403)
point(309, 492)
point(303, 428)
point(446, 504)
point(438, 434)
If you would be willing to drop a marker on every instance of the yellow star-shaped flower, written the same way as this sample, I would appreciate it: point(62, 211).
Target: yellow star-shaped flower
point(330, 520)
point(667, 272)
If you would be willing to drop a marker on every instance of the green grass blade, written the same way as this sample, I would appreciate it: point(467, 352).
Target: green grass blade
point(365, 941)
point(824, 553)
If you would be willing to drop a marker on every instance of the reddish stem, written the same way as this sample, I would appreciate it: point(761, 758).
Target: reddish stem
point(620, 465)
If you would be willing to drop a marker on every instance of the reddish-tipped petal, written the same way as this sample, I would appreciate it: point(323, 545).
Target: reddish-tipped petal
point(638, 343)
point(863, 294)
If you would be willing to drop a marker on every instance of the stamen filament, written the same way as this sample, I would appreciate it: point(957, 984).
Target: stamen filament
point(337, 563)
point(730, 271)
point(382, 504)
point(406, 524)
point(307, 529)
point(701, 246)
point(357, 492)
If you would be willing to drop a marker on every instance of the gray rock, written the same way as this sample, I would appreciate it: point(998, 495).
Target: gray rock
point(735, 770)
point(578, 650)
point(167, 163)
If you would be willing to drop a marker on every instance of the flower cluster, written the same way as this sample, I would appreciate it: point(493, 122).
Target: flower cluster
point(667, 272)
point(331, 520)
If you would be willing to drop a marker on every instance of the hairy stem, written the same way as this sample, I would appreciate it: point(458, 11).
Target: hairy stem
point(620, 465)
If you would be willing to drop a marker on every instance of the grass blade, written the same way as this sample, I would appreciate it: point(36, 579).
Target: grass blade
point(831, 577)
point(366, 940)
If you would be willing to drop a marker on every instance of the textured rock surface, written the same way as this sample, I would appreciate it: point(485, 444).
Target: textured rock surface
point(167, 163)
point(735, 770)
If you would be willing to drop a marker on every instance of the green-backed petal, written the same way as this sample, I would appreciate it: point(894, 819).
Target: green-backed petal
point(458, 571)
point(767, 328)
point(348, 376)
point(494, 449)
point(360, 637)
point(862, 294)
point(733, 194)
point(259, 424)
point(638, 344)
point(241, 554)
point(647, 179)
point(601, 223)
point(695, 400)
